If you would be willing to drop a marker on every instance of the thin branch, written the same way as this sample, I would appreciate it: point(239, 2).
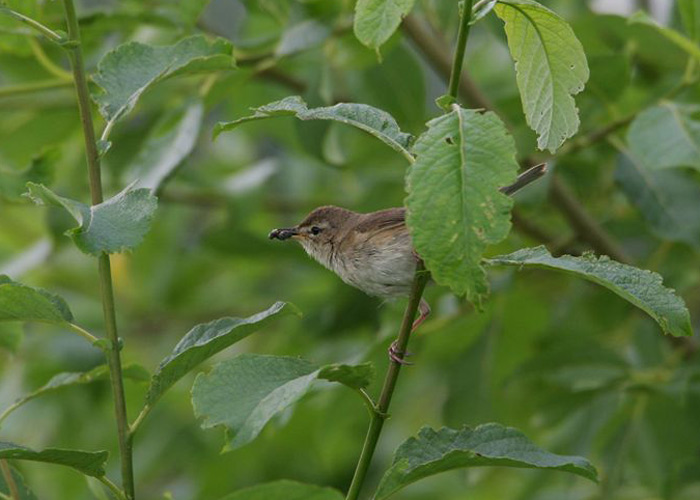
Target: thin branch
point(436, 53)
point(458, 61)
point(585, 226)
point(381, 410)
point(104, 268)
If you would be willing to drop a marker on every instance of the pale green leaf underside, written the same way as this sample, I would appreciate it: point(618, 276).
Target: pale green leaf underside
point(68, 379)
point(20, 302)
point(455, 209)
point(667, 135)
point(245, 392)
point(285, 490)
point(668, 199)
point(115, 225)
point(205, 340)
point(126, 72)
point(87, 462)
point(438, 451)
point(550, 68)
point(374, 121)
point(640, 287)
point(169, 142)
point(376, 20)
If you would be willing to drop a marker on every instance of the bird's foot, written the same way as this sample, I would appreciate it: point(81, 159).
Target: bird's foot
point(397, 356)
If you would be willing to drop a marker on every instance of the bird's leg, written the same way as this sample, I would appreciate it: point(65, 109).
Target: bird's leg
point(424, 309)
point(394, 353)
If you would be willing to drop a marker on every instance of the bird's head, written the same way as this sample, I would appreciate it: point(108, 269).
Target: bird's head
point(319, 230)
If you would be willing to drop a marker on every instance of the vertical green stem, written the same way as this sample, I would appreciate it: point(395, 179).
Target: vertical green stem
point(458, 60)
point(392, 374)
point(105, 274)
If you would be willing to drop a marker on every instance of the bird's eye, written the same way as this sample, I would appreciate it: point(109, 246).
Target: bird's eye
point(315, 230)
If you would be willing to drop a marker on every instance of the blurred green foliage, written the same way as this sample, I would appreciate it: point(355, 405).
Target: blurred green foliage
point(576, 369)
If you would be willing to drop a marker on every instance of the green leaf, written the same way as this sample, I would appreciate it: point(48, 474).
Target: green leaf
point(669, 200)
point(205, 340)
point(376, 20)
point(690, 15)
point(372, 120)
point(438, 451)
point(132, 68)
point(245, 392)
point(353, 376)
point(88, 462)
point(551, 68)
point(67, 379)
point(641, 288)
point(455, 209)
point(667, 135)
point(113, 226)
point(20, 302)
point(285, 490)
point(169, 142)
point(690, 47)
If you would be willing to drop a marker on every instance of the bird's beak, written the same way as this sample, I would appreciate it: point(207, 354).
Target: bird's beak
point(283, 234)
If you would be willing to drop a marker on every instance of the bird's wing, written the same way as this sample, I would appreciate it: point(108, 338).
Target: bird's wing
point(383, 220)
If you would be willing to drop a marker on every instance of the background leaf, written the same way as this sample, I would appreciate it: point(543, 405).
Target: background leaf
point(88, 462)
point(669, 200)
point(376, 20)
point(205, 340)
point(245, 392)
point(169, 142)
point(67, 379)
point(666, 136)
point(115, 225)
point(551, 67)
point(641, 288)
point(129, 70)
point(454, 207)
point(20, 302)
point(434, 451)
point(372, 120)
point(285, 490)
point(24, 492)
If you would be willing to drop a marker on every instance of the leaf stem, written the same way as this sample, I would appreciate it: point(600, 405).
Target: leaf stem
point(34, 24)
point(379, 414)
point(83, 333)
point(139, 419)
point(9, 480)
point(458, 61)
point(104, 268)
point(119, 494)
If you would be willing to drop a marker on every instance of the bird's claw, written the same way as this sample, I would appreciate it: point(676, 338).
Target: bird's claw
point(397, 356)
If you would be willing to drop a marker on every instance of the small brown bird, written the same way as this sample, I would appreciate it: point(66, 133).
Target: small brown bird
point(372, 252)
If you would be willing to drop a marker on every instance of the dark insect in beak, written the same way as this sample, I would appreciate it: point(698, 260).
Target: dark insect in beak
point(282, 234)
